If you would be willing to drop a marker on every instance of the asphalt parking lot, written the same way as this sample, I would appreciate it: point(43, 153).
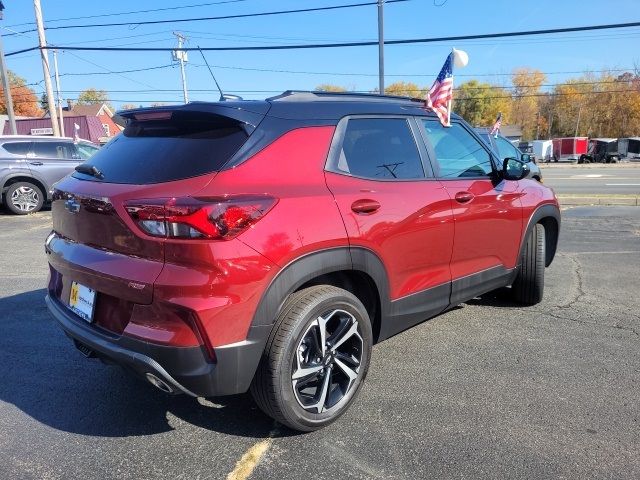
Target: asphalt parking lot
point(487, 390)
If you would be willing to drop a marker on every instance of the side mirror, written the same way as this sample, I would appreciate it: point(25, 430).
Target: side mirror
point(514, 169)
point(526, 158)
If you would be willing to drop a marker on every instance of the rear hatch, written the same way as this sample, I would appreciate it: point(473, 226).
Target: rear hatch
point(163, 153)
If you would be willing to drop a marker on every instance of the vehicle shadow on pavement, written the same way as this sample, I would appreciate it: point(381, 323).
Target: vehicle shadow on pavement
point(496, 298)
point(49, 380)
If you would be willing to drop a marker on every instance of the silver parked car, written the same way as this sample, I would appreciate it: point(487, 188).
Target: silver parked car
point(30, 165)
point(505, 149)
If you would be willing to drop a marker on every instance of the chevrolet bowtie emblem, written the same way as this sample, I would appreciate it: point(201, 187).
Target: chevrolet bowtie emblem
point(72, 205)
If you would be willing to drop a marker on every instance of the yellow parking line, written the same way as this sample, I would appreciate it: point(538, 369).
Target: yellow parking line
point(245, 466)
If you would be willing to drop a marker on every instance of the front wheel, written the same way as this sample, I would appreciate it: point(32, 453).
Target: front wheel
point(315, 360)
point(528, 287)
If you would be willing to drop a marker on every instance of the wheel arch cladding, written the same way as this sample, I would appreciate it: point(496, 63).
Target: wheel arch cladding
point(356, 268)
point(549, 217)
point(22, 178)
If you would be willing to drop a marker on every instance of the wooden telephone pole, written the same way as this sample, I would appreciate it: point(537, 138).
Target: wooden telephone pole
point(53, 115)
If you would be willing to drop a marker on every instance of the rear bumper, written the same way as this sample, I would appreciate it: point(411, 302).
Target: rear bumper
point(183, 369)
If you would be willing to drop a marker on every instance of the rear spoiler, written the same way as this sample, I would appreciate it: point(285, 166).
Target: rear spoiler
point(248, 113)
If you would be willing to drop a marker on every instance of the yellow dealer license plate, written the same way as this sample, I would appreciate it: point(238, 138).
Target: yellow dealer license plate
point(82, 300)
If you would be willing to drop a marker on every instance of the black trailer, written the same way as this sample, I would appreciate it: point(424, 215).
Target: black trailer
point(629, 148)
point(604, 150)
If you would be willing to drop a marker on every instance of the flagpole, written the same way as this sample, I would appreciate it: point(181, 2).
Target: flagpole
point(451, 99)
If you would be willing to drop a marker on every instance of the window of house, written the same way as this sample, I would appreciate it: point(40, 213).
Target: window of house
point(106, 129)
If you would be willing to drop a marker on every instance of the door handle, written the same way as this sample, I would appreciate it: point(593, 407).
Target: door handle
point(37, 164)
point(464, 197)
point(365, 206)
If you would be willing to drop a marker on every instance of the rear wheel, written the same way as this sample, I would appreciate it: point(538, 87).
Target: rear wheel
point(528, 287)
point(315, 359)
point(23, 198)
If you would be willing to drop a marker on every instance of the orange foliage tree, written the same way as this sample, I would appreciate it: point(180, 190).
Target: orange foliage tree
point(25, 102)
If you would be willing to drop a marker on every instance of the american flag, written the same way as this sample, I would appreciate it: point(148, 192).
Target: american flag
point(496, 126)
point(441, 93)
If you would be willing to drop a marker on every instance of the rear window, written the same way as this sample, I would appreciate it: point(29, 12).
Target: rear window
point(154, 151)
point(17, 148)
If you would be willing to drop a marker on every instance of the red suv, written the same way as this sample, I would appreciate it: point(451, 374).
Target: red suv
point(215, 248)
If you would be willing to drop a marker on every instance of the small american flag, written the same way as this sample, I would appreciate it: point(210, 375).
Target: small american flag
point(441, 93)
point(496, 126)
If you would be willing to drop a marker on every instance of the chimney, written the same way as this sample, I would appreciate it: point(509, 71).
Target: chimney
point(69, 104)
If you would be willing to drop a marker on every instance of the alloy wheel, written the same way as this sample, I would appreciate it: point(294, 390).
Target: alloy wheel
point(327, 361)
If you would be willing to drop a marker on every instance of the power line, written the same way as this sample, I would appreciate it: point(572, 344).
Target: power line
point(428, 75)
point(489, 87)
point(220, 17)
point(132, 12)
point(359, 44)
point(548, 94)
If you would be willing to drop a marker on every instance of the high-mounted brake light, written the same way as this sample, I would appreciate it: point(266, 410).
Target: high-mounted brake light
point(199, 218)
point(146, 116)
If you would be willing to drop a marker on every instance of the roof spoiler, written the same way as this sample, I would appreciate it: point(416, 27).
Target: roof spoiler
point(250, 114)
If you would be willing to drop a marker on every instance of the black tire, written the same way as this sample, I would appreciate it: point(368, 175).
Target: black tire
point(274, 387)
point(528, 288)
point(16, 202)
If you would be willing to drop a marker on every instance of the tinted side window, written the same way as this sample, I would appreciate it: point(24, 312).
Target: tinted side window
point(458, 153)
point(506, 149)
point(17, 148)
point(85, 151)
point(61, 150)
point(380, 148)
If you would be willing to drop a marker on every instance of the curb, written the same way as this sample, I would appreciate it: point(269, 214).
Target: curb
point(587, 166)
point(566, 200)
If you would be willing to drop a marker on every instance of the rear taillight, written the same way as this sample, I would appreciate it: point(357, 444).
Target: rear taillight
point(199, 218)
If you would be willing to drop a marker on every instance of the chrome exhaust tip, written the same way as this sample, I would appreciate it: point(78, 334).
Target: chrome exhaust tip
point(159, 384)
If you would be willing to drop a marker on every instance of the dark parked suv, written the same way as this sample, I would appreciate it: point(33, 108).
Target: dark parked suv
point(215, 248)
point(30, 165)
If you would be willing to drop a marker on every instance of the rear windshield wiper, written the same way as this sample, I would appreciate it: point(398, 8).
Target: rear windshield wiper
point(90, 170)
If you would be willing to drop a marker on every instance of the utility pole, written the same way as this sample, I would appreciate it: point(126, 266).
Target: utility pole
point(538, 126)
point(578, 121)
point(45, 69)
point(381, 46)
point(55, 68)
point(5, 84)
point(181, 56)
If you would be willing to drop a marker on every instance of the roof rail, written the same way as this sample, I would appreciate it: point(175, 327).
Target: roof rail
point(310, 96)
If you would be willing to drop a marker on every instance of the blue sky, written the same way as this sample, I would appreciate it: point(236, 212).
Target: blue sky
point(490, 60)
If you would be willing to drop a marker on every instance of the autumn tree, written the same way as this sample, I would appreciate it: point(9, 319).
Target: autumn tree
point(406, 89)
point(327, 87)
point(25, 101)
point(479, 103)
point(527, 83)
point(91, 96)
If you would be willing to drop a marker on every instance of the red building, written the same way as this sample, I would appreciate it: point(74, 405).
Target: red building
point(91, 127)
